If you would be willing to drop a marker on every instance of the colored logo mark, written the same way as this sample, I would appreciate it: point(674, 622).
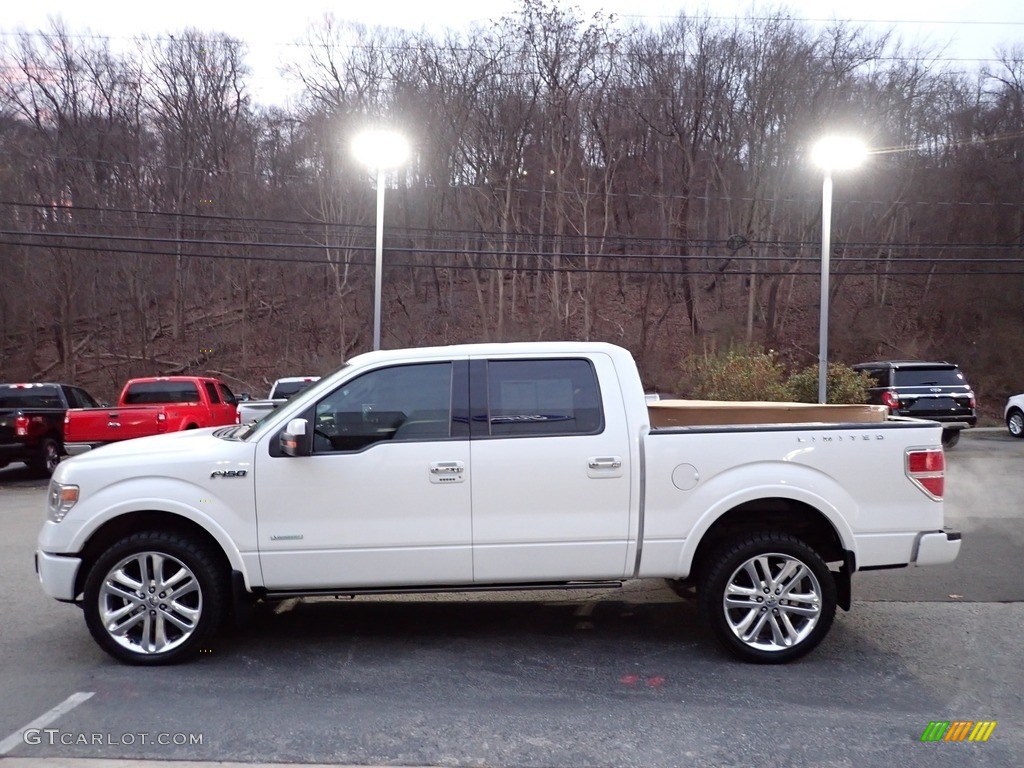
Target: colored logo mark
point(958, 730)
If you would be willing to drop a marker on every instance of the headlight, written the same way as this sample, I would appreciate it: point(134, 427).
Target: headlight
point(60, 499)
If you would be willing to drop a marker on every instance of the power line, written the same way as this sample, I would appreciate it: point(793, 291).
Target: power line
point(567, 269)
point(463, 252)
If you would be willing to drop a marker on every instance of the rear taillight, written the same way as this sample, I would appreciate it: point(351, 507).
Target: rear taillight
point(974, 403)
point(926, 468)
point(891, 400)
point(161, 422)
point(21, 426)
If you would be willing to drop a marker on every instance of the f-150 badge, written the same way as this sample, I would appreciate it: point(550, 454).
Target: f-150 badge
point(228, 473)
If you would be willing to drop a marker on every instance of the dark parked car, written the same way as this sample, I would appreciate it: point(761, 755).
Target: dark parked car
point(936, 391)
point(32, 422)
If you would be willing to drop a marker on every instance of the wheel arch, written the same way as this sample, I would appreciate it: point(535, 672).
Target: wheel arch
point(779, 513)
point(126, 524)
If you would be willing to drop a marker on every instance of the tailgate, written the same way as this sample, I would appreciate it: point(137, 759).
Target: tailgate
point(944, 404)
point(101, 425)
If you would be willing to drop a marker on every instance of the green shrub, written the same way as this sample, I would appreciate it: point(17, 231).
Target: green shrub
point(738, 374)
point(842, 385)
point(754, 374)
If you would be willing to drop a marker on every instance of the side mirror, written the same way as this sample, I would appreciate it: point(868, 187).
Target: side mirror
point(244, 397)
point(297, 438)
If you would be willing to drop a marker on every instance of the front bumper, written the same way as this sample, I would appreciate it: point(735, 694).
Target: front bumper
point(937, 548)
point(57, 574)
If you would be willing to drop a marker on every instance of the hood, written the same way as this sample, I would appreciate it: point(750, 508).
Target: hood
point(172, 442)
point(173, 454)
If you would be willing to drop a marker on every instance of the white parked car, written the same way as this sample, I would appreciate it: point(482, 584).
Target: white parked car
point(1014, 415)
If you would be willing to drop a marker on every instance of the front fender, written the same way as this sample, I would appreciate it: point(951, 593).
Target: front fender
point(212, 512)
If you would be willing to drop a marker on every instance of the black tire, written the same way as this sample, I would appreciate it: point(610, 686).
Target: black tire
point(950, 437)
point(783, 629)
point(200, 588)
point(47, 457)
point(1015, 422)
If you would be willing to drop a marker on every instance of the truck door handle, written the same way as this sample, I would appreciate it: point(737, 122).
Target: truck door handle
point(444, 472)
point(605, 462)
point(447, 468)
point(113, 423)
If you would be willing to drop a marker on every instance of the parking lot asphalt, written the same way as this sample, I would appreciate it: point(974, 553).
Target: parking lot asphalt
point(600, 678)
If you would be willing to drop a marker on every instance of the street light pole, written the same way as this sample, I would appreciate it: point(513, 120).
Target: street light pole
point(826, 245)
point(378, 264)
point(379, 150)
point(833, 153)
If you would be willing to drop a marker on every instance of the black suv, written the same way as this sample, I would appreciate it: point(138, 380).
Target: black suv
point(934, 391)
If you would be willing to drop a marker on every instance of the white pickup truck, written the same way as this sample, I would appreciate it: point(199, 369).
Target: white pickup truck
point(248, 411)
point(491, 466)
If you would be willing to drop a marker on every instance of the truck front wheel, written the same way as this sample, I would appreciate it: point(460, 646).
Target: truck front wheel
point(767, 597)
point(155, 597)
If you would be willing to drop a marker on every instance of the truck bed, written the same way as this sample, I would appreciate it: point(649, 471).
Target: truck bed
point(706, 413)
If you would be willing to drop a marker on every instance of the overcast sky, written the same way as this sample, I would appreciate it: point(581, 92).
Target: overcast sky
point(972, 30)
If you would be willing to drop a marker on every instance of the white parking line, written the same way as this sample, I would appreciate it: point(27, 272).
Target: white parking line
point(44, 720)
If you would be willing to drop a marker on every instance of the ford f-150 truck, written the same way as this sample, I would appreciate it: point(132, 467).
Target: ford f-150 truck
point(494, 466)
point(281, 391)
point(151, 406)
point(32, 422)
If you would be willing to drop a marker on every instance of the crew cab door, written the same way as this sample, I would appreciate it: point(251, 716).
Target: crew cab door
point(551, 470)
point(221, 411)
point(385, 498)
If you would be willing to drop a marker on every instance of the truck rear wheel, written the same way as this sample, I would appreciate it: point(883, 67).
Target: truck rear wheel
point(950, 437)
point(768, 597)
point(155, 598)
point(47, 457)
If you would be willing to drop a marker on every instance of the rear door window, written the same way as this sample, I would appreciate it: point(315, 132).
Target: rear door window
point(211, 391)
point(227, 395)
point(78, 398)
point(533, 398)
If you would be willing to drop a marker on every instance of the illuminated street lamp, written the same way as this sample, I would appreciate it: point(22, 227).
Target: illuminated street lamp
point(835, 153)
point(379, 150)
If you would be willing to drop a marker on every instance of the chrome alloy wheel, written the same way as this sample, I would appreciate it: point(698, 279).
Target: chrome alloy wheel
point(1015, 423)
point(51, 457)
point(150, 602)
point(772, 602)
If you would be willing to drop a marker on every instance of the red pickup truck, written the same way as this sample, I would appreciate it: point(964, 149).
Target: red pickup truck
point(151, 406)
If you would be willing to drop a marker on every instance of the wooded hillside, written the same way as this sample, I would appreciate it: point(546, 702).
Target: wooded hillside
point(572, 178)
